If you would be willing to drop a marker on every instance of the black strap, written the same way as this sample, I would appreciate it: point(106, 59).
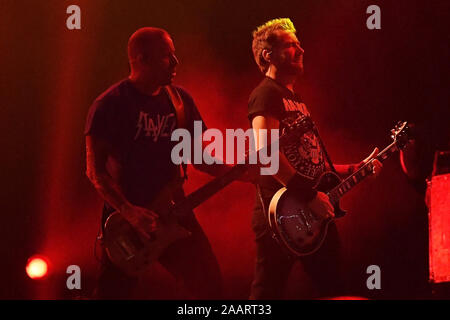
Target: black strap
point(316, 132)
point(178, 104)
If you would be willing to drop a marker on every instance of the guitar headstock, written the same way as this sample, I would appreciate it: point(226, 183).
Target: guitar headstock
point(401, 134)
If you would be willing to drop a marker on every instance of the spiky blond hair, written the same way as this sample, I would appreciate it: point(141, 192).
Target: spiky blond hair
point(264, 37)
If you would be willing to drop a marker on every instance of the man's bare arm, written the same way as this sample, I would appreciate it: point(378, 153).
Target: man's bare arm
point(285, 171)
point(214, 169)
point(347, 169)
point(217, 169)
point(287, 176)
point(97, 152)
point(142, 219)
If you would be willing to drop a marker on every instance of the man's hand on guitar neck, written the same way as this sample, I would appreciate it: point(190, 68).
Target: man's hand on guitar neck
point(376, 164)
point(142, 219)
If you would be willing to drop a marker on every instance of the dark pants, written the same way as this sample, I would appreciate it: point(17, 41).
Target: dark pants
point(190, 260)
point(274, 264)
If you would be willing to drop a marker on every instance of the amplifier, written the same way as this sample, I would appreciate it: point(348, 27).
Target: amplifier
point(438, 195)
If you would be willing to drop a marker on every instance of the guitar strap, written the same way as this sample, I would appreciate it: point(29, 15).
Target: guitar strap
point(178, 104)
point(330, 163)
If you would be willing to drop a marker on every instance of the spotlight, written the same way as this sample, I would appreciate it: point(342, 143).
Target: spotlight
point(37, 267)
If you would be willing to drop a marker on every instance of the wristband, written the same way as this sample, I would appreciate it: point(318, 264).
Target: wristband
point(299, 185)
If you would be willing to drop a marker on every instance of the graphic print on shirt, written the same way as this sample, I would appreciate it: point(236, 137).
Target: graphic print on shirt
point(304, 154)
point(156, 126)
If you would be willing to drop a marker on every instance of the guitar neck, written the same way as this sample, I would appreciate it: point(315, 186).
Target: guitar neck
point(366, 170)
point(208, 190)
point(203, 193)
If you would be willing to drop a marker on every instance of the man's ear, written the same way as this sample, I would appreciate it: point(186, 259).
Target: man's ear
point(141, 58)
point(267, 55)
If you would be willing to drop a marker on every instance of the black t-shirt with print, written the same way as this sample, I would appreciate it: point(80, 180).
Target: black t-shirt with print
point(272, 99)
point(139, 128)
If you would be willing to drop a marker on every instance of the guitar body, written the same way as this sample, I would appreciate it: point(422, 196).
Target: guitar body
point(294, 225)
point(127, 251)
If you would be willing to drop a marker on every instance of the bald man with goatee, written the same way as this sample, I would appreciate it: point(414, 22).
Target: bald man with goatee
point(128, 143)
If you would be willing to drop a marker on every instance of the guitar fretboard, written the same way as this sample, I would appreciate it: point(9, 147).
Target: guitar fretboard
point(200, 195)
point(366, 170)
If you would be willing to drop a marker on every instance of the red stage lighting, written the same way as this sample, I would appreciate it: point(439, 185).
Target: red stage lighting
point(439, 228)
point(438, 201)
point(37, 267)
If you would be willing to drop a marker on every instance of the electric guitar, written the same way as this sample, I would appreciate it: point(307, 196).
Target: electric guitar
point(131, 254)
point(297, 228)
